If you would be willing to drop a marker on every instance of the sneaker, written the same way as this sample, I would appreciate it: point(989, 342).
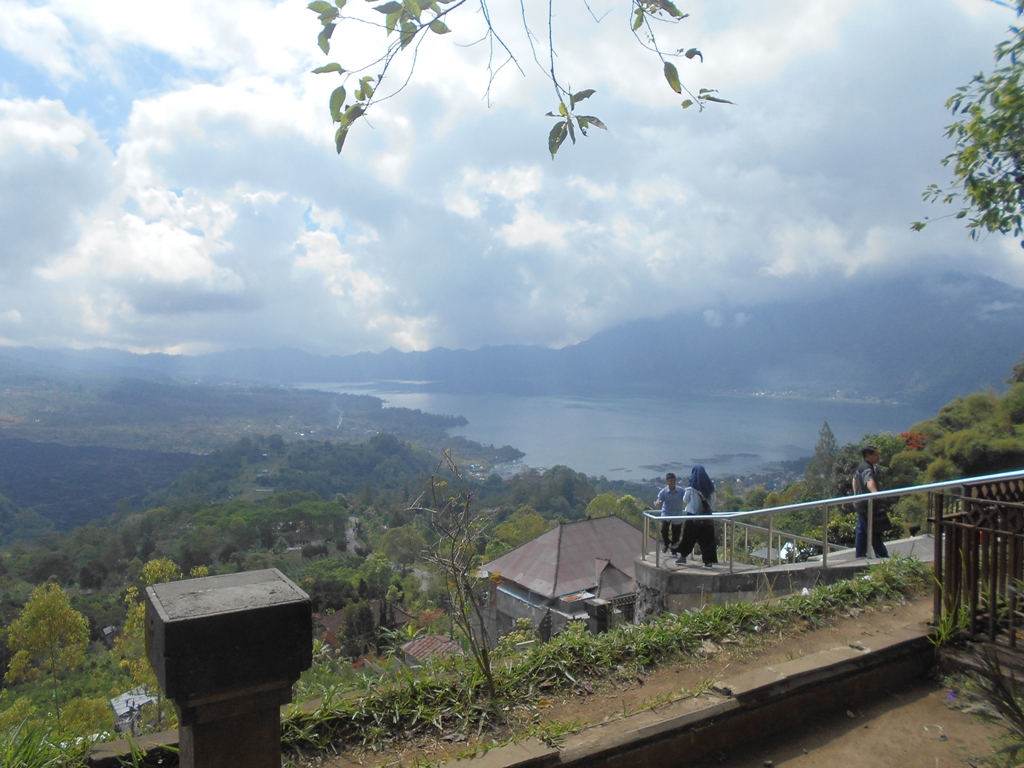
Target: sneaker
point(664, 549)
point(680, 560)
point(709, 565)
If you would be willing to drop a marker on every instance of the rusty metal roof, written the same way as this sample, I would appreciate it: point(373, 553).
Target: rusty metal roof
point(422, 648)
point(572, 557)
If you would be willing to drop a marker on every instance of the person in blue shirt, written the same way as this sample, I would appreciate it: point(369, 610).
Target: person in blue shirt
point(670, 502)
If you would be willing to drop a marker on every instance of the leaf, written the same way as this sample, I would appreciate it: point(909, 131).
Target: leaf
point(583, 123)
point(413, 8)
point(594, 121)
point(323, 39)
point(562, 110)
point(671, 9)
point(439, 27)
point(332, 67)
point(694, 52)
point(339, 138)
point(556, 137)
point(365, 88)
point(392, 21)
point(319, 6)
point(337, 102)
point(572, 132)
point(638, 19)
point(391, 7)
point(408, 33)
point(352, 114)
point(340, 3)
point(329, 15)
point(672, 75)
point(687, 104)
point(579, 96)
point(717, 100)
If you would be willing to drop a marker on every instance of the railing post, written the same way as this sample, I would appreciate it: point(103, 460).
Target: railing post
point(732, 543)
point(645, 537)
point(871, 527)
point(771, 535)
point(824, 540)
point(227, 650)
point(935, 507)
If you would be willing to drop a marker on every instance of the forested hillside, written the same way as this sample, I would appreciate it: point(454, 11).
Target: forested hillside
point(71, 485)
point(50, 405)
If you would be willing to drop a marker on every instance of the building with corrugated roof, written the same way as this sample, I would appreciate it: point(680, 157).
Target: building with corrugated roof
point(416, 652)
point(566, 574)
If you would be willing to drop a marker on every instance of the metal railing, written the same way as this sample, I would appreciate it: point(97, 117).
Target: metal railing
point(734, 519)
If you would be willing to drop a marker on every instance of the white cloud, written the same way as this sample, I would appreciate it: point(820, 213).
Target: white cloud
point(512, 184)
point(592, 190)
point(186, 195)
point(38, 36)
point(531, 227)
point(323, 254)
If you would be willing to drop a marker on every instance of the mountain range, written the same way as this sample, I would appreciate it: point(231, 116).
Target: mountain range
point(923, 339)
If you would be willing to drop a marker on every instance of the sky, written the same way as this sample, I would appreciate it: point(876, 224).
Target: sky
point(168, 179)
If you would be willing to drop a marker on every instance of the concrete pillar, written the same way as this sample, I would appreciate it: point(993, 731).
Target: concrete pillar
point(226, 651)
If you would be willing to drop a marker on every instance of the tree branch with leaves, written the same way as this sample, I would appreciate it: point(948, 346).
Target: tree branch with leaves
point(407, 24)
point(988, 158)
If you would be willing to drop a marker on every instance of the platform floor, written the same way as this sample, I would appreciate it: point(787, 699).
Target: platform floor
point(922, 547)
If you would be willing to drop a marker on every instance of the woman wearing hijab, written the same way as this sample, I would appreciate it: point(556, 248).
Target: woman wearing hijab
point(698, 498)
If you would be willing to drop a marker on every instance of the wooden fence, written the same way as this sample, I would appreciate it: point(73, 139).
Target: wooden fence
point(979, 559)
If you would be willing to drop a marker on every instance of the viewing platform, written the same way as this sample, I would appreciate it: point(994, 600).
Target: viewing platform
point(664, 586)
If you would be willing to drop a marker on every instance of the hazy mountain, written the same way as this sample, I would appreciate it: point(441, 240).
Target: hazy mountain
point(924, 340)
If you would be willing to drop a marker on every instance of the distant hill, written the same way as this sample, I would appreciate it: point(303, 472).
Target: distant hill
point(923, 340)
point(71, 485)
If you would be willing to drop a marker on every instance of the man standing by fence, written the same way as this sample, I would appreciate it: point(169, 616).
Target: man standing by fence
point(865, 480)
point(670, 502)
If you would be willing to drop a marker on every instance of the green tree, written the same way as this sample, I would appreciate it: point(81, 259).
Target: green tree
point(377, 573)
point(819, 468)
point(360, 629)
point(49, 638)
point(525, 524)
point(402, 545)
point(406, 25)
point(988, 154)
point(630, 509)
point(602, 505)
point(1017, 373)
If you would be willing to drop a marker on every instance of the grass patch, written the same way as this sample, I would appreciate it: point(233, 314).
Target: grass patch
point(449, 696)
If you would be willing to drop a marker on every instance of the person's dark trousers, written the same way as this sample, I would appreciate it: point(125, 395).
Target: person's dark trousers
point(676, 528)
point(860, 540)
point(698, 532)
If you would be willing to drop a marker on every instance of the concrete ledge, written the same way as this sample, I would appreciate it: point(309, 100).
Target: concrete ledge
point(531, 752)
point(110, 754)
point(752, 705)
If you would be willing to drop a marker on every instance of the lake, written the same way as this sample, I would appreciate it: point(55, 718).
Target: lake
point(634, 438)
